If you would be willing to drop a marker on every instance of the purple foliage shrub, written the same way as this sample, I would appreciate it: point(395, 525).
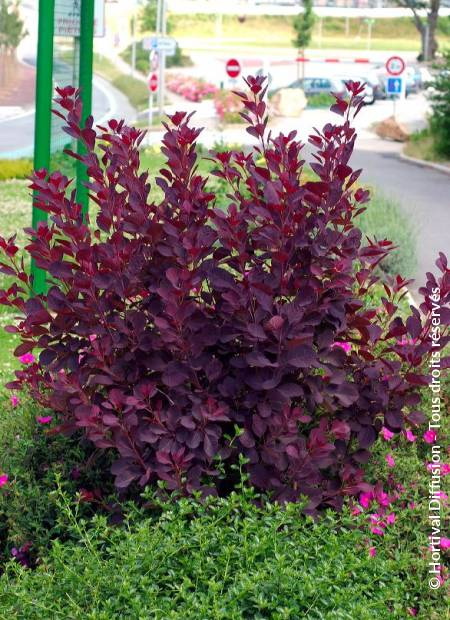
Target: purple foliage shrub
point(181, 335)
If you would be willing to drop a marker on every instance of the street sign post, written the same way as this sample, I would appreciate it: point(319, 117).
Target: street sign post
point(64, 57)
point(395, 65)
point(395, 85)
point(152, 88)
point(167, 45)
point(233, 68)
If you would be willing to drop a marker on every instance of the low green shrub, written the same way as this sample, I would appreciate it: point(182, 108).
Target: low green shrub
point(321, 100)
point(440, 106)
point(384, 219)
point(225, 559)
point(15, 169)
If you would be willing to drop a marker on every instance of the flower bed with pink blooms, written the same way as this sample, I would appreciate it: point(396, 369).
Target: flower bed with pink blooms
point(191, 88)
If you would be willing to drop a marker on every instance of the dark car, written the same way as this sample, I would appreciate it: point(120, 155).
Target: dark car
point(317, 86)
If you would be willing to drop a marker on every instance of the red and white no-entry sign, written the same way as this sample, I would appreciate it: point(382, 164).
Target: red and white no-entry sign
point(395, 65)
point(233, 68)
point(153, 82)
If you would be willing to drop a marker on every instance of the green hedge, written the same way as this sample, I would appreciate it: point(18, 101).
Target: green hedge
point(384, 219)
point(227, 559)
point(15, 169)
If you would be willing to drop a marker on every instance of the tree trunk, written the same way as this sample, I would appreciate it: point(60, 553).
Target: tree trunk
point(432, 19)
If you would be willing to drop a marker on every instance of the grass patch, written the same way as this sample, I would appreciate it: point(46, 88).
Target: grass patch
point(135, 90)
point(266, 31)
point(384, 219)
point(15, 168)
point(321, 100)
point(421, 146)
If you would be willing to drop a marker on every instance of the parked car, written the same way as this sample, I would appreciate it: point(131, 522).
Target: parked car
point(372, 88)
point(319, 85)
point(326, 85)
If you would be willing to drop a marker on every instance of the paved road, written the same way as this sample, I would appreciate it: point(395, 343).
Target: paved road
point(16, 134)
point(423, 194)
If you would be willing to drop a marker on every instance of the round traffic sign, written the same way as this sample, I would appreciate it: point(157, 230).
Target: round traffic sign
point(153, 82)
point(395, 65)
point(233, 68)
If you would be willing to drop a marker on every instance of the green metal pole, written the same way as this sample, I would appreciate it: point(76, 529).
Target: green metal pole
point(85, 83)
point(43, 115)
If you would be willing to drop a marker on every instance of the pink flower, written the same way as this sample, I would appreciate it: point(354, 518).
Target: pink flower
point(429, 436)
point(15, 400)
point(365, 499)
point(390, 460)
point(390, 519)
point(46, 419)
point(411, 505)
point(445, 469)
point(445, 543)
point(410, 436)
point(372, 552)
point(386, 433)
point(92, 337)
point(346, 346)
point(412, 611)
point(3, 479)
point(27, 358)
point(383, 498)
point(377, 530)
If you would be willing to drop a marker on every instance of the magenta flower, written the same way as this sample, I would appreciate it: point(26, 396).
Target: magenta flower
point(390, 519)
point(412, 611)
point(15, 400)
point(346, 346)
point(372, 552)
point(429, 436)
point(92, 337)
point(365, 499)
point(383, 499)
point(27, 358)
point(3, 479)
point(445, 469)
point(445, 543)
point(410, 436)
point(390, 460)
point(411, 505)
point(377, 530)
point(46, 419)
point(386, 433)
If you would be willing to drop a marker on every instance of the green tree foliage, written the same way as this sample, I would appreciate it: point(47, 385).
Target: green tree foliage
point(440, 103)
point(303, 25)
point(12, 28)
point(426, 24)
point(148, 17)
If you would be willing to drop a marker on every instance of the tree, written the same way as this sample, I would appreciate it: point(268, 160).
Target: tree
point(303, 26)
point(12, 28)
point(148, 17)
point(12, 31)
point(440, 104)
point(426, 25)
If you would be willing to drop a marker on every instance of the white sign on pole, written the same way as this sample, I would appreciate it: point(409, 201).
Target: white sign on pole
point(160, 44)
point(67, 18)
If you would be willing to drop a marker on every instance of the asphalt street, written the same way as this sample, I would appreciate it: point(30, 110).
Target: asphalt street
point(17, 134)
point(422, 193)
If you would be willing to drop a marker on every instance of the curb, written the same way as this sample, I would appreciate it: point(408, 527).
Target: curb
point(425, 164)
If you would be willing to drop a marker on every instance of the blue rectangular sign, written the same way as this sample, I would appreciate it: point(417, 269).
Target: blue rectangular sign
point(394, 86)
